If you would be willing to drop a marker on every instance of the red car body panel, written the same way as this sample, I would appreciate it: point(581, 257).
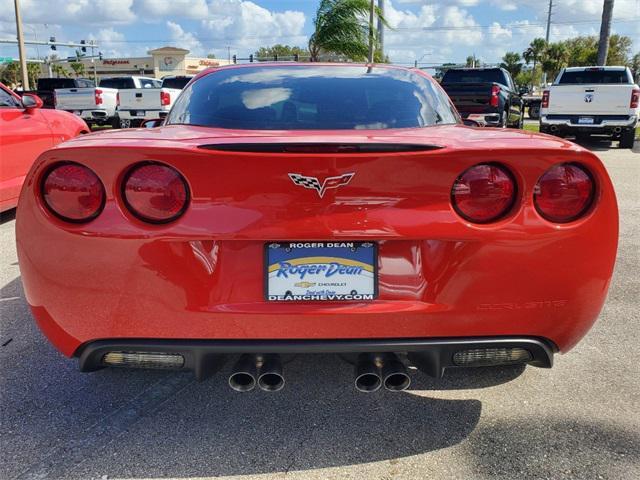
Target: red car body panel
point(201, 277)
point(24, 135)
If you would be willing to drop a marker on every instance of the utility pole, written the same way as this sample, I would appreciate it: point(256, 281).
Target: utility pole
point(381, 28)
point(93, 62)
point(22, 53)
point(605, 32)
point(546, 38)
point(372, 39)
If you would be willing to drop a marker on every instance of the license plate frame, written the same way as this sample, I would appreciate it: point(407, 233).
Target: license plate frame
point(349, 267)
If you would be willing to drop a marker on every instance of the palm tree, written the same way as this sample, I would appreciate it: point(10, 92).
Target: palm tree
point(556, 58)
point(511, 62)
point(59, 70)
point(78, 68)
point(534, 53)
point(342, 28)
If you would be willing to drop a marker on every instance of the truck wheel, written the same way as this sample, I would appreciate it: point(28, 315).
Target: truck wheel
point(504, 120)
point(125, 123)
point(627, 138)
point(534, 112)
point(115, 122)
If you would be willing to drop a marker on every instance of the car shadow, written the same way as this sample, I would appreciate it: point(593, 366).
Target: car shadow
point(59, 423)
point(7, 216)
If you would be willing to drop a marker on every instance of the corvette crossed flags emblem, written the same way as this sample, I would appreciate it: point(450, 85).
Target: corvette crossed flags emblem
point(321, 188)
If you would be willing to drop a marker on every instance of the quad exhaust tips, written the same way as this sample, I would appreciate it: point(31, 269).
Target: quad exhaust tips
point(251, 370)
point(374, 371)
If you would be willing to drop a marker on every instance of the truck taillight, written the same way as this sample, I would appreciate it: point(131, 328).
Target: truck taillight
point(98, 96)
point(165, 98)
point(545, 99)
point(495, 90)
point(118, 99)
point(635, 98)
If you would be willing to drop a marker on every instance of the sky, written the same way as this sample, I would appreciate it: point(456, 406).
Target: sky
point(432, 32)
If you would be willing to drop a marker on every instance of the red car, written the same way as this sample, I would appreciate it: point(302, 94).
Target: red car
point(287, 209)
point(26, 132)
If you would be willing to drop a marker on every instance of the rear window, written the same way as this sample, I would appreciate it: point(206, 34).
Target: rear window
point(312, 97)
point(595, 76)
point(175, 82)
point(474, 76)
point(58, 83)
point(122, 83)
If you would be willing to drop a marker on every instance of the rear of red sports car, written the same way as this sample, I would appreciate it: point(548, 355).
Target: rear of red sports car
point(286, 209)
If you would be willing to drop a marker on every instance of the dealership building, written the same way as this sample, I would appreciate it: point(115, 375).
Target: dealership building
point(160, 63)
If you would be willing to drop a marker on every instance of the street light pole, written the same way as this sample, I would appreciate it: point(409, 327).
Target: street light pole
point(371, 36)
point(22, 53)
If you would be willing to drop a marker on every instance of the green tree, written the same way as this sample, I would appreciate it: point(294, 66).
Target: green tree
point(511, 63)
point(33, 73)
point(555, 59)
point(342, 29)
point(10, 74)
point(533, 54)
point(78, 68)
point(634, 65)
point(282, 51)
point(59, 71)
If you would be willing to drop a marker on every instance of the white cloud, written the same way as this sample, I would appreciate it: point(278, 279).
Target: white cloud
point(183, 39)
point(154, 9)
point(246, 26)
point(71, 12)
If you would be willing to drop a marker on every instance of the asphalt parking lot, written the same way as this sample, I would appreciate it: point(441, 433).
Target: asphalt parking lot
point(579, 420)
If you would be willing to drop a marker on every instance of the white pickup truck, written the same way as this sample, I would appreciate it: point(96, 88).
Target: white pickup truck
point(141, 104)
point(98, 105)
point(587, 101)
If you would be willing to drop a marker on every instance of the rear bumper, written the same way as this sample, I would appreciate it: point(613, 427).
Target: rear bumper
point(94, 115)
point(205, 357)
point(602, 124)
point(148, 114)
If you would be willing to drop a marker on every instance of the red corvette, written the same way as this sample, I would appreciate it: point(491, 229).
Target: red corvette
point(286, 209)
point(26, 132)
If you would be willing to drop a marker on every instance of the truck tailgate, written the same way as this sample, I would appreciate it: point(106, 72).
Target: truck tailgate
point(147, 98)
point(589, 99)
point(75, 98)
point(469, 97)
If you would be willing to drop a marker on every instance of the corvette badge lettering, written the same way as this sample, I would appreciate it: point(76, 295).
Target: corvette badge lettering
point(321, 188)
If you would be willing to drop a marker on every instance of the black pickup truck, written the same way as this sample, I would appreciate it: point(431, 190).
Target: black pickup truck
point(46, 87)
point(486, 95)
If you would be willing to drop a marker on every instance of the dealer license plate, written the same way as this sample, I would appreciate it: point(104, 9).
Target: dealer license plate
point(585, 120)
point(137, 113)
point(321, 271)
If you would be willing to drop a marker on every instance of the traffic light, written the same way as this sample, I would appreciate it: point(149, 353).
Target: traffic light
point(52, 40)
point(235, 59)
point(251, 58)
point(83, 48)
point(100, 55)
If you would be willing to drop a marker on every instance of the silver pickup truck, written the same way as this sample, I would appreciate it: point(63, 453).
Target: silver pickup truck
point(98, 105)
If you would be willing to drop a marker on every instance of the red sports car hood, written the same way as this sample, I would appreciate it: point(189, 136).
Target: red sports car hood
point(447, 136)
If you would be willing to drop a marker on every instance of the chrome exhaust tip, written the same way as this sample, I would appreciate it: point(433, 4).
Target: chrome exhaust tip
point(367, 374)
point(243, 374)
point(553, 128)
point(394, 374)
point(271, 378)
point(617, 130)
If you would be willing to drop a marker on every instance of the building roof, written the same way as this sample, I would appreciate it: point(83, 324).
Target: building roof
point(168, 50)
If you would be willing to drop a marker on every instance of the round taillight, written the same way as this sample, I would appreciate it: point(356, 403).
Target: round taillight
point(484, 193)
point(73, 192)
point(155, 193)
point(564, 193)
